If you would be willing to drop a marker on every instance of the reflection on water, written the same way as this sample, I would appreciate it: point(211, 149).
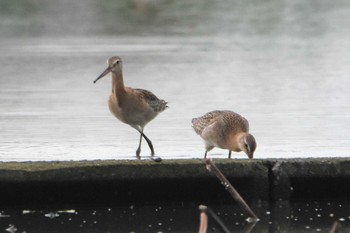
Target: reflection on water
point(171, 217)
point(283, 65)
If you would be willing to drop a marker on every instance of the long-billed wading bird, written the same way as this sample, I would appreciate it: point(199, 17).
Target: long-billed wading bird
point(135, 107)
point(225, 130)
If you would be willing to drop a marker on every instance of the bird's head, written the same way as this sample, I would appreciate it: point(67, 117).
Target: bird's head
point(247, 144)
point(114, 65)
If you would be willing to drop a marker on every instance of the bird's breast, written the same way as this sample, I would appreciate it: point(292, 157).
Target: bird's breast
point(115, 108)
point(131, 111)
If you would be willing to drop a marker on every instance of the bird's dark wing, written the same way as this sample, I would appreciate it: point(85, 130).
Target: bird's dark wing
point(157, 104)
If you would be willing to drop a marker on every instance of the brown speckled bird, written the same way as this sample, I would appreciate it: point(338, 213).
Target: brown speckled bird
point(225, 130)
point(135, 107)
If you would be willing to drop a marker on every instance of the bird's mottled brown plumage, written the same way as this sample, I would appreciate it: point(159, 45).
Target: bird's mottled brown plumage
point(226, 130)
point(232, 120)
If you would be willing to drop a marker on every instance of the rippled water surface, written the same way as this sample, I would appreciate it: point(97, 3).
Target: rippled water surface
point(295, 217)
point(284, 65)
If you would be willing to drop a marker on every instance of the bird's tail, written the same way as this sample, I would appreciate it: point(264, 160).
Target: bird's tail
point(197, 126)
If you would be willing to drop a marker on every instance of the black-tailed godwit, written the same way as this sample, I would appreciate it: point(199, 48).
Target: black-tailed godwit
point(135, 107)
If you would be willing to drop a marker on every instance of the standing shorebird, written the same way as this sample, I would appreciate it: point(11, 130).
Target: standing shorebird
point(135, 107)
point(226, 130)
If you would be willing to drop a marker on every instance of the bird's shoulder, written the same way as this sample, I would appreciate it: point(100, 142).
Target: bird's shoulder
point(145, 94)
point(235, 121)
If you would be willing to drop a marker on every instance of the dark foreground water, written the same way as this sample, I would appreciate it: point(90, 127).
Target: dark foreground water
point(177, 217)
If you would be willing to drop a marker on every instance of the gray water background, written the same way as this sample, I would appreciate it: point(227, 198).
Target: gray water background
point(284, 65)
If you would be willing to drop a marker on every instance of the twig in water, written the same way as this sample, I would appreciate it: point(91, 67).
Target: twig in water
point(249, 227)
point(335, 228)
point(206, 209)
point(203, 225)
point(228, 186)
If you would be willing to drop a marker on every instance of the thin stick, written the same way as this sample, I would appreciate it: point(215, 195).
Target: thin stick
point(203, 225)
point(249, 227)
point(228, 186)
point(206, 209)
point(335, 228)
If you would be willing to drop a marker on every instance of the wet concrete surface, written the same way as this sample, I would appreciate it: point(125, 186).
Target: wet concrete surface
point(172, 180)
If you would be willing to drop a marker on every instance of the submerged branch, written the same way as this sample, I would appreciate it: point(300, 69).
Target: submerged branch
point(203, 224)
point(335, 228)
point(205, 209)
point(228, 186)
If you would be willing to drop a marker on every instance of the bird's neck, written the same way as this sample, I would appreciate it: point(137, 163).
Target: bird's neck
point(235, 141)
point(118, 87)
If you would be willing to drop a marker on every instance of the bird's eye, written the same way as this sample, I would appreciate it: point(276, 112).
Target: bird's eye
point(117, 62)
point(246, 145)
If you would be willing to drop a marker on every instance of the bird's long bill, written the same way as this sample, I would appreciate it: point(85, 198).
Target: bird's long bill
point(103, 73)
point(250, 155)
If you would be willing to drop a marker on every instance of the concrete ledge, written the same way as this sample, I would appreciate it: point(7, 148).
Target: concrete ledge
point(310, 178)
point(171, 180)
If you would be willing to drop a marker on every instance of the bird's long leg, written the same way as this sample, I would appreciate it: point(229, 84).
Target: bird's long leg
point(229, 154)
point(150, 145)
point(138, 151)
point(205, 155)
point(207, 148)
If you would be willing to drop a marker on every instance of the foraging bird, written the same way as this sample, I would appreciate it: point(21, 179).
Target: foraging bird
point(226, 130)
point(135, 107)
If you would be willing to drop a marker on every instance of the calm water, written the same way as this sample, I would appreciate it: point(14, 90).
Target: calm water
point(296, 217)
point(284, 65)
